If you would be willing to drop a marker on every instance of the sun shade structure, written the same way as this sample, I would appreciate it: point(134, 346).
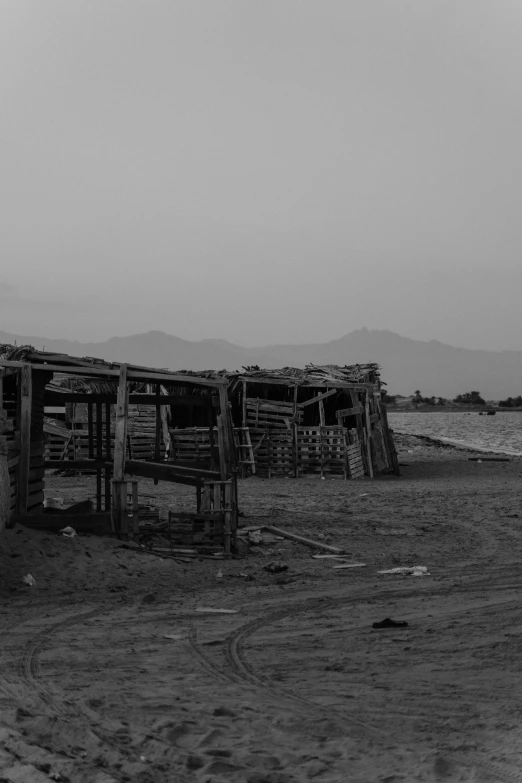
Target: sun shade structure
point(114, 420)
point(327, 421)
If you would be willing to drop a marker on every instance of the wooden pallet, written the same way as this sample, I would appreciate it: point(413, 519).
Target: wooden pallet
point(354, 455)
point(321, 451)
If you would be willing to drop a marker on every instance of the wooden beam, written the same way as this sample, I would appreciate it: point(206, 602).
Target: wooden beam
point(78, 464)
point(26, 399)
point(132, 374)
point(315, 385)
point(368, 433)
point(12, 365)
point(344, 412)
point(319, 397)
point(162, 472)
point(60, 398)
point(277, 531)
point(180, 380)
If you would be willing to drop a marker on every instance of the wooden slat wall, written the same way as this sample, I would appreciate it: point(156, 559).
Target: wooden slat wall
point(270, 414)
point(142, 432)
point(191, 444)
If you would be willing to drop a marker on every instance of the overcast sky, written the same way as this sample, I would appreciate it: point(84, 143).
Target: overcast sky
point(262, 170)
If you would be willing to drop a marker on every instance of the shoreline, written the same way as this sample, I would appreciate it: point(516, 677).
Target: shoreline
point(458, 444)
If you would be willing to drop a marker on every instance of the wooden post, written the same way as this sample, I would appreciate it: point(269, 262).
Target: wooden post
point(135, 510)
point(120, 518)
point(296, 465)
point(157, 438)
point(227, 516)
point(225, 422)
point(73, 429)
point(26, 398)
point(165, 427)
point(107, 479)
point(244, 414)
point(221, 447)
point(322, 420)
point(387, 434)
point(99, 454)
point(384, 440)
point(321, 450)
point(90, 429)
point(368, 433)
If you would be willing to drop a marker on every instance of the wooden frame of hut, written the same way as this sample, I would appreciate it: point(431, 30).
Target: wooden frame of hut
point(108, 390)
point(321, 421)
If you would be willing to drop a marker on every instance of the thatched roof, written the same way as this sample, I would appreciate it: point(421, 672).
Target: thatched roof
point(330, 374)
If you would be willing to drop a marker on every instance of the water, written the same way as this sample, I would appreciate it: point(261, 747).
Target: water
point(502, 432)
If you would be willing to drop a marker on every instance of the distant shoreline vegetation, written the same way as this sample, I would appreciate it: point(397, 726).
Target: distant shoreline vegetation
point(468, 401)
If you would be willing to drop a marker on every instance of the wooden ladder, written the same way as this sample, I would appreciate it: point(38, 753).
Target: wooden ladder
point(245, 450)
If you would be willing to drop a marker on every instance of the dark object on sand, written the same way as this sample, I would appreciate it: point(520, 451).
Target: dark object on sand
point(275, 568)
point(388, 623)
point(489, 459)
point(491, 413)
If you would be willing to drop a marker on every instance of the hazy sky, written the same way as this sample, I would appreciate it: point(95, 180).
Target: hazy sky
point(262, 170)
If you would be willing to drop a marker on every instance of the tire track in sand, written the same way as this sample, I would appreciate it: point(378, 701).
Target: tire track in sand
point(236, 657)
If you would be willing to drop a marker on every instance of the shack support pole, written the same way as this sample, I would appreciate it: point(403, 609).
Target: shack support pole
point(295, 435)
point(368, 432)
point(26, 398)
point(120, 519)
point(99, 454)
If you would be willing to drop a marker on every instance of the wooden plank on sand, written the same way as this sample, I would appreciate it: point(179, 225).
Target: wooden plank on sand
point(277, 531)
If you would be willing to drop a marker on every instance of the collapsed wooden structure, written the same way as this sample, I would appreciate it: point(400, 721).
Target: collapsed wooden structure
point(111, 397)
point(321, 421)
point(326, 421)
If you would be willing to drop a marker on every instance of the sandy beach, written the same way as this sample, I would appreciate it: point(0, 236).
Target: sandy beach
point(110, 672)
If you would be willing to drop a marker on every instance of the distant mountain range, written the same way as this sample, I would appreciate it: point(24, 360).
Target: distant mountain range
point(407, 365)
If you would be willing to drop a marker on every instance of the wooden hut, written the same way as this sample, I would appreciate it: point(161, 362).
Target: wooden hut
point(32, 382)
point(321, 421)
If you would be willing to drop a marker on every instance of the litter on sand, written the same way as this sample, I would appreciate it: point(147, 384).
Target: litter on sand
point(407, 571)
point(29, 580)
point(211, 610)
point(328, 557)
point(275, 568)
point(174, 637)
point(68, 532)
point(388, 623)
point(351, 565)
point(255, 537)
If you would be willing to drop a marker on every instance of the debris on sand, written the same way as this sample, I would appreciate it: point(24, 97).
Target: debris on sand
point(275, 568)
point(407, 571)
point(29, 580)
point(211, 610)
point(389, 623)
point(68, 532)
